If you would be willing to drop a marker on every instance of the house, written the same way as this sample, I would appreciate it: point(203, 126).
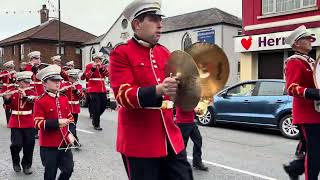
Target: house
point(44, 38)
point(211, 25)
point(266, 24)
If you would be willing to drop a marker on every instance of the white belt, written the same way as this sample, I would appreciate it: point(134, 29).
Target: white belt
point(165, 105)
point(74, 102)
point(7, 85)
point(21, 112)
point(97, 79)
point(36, 83)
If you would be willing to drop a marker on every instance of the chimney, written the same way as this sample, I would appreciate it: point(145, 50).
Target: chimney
point(44, 14)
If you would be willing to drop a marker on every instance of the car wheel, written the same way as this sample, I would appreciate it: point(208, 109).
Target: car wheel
point(207, 119)
point(83, 102)
point(287, 128)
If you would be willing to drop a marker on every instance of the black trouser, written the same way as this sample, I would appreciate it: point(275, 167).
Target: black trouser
point(172, 167)
point(296, 167)
point(75, 117)
point(8, 114)
point(191, 130)
point(89, 106)
point(98, 104)
point(22, 139)
point(52, 159)
point(311, 133)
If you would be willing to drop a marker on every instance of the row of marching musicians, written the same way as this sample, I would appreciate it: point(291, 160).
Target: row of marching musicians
point(45, 98)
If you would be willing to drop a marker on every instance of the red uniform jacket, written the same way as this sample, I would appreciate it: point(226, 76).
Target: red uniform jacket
point(64, 75)
point(184, 116)
point(38, 86)
point(74, 96)
point(47, 110)
point(96, 78)
point(21, 116)
point(28, 67)
point(299, 77)
point(144, 128)
point(5, 78)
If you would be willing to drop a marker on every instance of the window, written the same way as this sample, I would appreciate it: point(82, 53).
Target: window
point(271, 89)
point(124, 24)
point(78, 51)
point(1, 52)
point(13, 50)
point(62, 50)
point(186, 41)
point(242, 90)
point(277, 6)
point(21, 51)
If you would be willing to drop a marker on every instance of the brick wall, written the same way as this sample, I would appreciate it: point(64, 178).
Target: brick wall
point(47, 49)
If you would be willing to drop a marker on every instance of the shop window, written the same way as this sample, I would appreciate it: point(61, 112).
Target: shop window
point(311, 54)
point(278, 6)
point(270, 65)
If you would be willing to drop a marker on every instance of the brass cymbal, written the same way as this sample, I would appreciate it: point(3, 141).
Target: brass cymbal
point(182, 66)
point(213, 67)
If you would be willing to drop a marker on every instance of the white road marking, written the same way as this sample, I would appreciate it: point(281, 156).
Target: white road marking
point(89, 132)
point(237, 170)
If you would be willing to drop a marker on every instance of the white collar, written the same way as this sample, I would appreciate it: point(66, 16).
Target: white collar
point(54, 95)
point(142, 42)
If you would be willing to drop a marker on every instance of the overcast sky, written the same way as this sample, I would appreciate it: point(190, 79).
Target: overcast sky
point(94, 16)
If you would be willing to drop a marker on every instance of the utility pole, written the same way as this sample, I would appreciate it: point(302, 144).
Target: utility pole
point(59, 27)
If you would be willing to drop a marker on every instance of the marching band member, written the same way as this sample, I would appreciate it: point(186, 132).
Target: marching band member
point(95, 74)
point(57, 61)
point(21, 122)
point(73, 90)
point(55, 121)
point(7, 77)
point(33, 66)
point(305, 113)
point(189, 129)
point(150, 143)
point(34, 61)
point(70, 65)
point(83, 77)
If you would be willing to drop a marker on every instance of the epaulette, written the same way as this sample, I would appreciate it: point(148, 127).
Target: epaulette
point(119, 44)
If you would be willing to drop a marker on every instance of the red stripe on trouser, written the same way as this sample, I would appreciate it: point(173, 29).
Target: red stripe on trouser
point(306, 156)
point(128, 167)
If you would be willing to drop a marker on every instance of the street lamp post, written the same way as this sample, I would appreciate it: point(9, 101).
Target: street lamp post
point(59, 28)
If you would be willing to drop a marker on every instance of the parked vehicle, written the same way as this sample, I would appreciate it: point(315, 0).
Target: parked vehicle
point(259, 103)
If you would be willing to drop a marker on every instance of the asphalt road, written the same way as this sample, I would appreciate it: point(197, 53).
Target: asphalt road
point(231, 152)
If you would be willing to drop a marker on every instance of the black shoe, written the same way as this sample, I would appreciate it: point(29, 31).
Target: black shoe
point(291, 175)
point(200, 166)
point(98, 128)
point(27, 171)
point(17, 168)
point(78, 145)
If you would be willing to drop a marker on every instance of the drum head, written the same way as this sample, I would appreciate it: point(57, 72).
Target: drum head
point(316, 73)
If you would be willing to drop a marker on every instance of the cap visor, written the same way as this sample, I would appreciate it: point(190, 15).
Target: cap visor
point(54, 77)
